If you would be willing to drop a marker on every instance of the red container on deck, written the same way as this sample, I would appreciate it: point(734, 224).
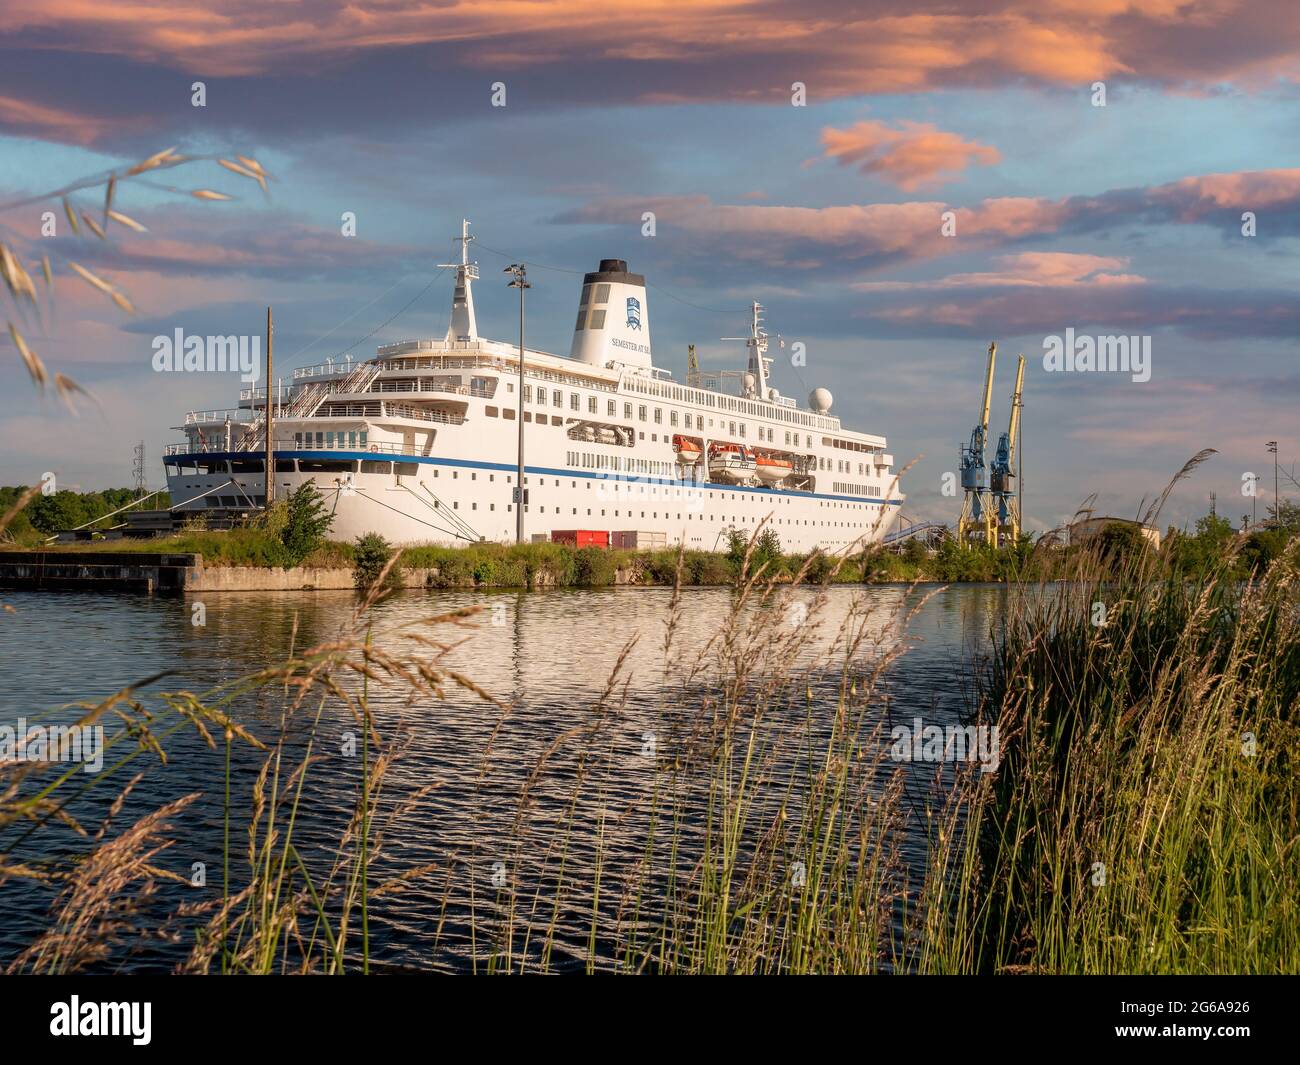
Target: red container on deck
point(580, 537)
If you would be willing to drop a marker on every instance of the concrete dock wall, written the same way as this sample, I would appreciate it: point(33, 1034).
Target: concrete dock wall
point(109, 571)
point(140, 571)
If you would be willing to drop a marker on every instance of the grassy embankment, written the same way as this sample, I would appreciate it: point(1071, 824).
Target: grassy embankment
point(296, 533)
point(1146, 817)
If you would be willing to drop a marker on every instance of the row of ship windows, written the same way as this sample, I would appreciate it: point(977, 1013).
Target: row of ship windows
point(256, 501)
point(664, 390)
point(642, 412)
point(412, 469)
point(705, 398)
point(844, 466)
point(620, 463)
point(765, 502)
point(740, 519)
point(688, 421)
point(351, 438)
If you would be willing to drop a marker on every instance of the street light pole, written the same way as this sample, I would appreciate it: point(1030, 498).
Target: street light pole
point(519, 280)
point(268, 490)
point(1272, 447)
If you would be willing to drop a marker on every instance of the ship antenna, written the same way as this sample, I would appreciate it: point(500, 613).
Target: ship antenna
point(463, 325)
point(757, 344)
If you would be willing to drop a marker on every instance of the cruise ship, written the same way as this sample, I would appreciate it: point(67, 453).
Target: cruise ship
point(421, 443)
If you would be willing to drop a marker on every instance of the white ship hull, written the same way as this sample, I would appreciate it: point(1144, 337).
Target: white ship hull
point(420, 444)
point(412, 508)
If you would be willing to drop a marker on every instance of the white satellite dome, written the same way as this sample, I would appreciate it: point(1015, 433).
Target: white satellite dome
point(750, 384)
point(820, 400)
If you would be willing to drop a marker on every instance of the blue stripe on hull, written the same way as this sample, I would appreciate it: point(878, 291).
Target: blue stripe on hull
point(351, 456)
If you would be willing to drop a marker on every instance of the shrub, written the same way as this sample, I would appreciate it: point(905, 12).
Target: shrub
point(592, 568)
point(767, 552)
point(704, 567)
point(737, 545)
point(371, 555)
point(914, 552)
point(819, 570)
point(1118, 543)
point(303, 523)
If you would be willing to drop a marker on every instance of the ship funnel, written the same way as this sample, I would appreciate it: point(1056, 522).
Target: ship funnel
point(613, 320)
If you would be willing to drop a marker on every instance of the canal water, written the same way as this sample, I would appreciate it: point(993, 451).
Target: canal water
point(482, 792)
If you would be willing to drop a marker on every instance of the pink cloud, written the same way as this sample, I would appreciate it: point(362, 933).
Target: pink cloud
point(1192, 197)
point(736, 49)
point(885, 233)
point(1031, 269)
point(914, 155)
point(26, 118)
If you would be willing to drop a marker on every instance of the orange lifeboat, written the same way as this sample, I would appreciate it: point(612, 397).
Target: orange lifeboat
point(772, 466)
point(732, 463)
point(688, 449)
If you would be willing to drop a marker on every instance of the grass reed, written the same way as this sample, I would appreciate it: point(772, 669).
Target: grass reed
point(1142, 819)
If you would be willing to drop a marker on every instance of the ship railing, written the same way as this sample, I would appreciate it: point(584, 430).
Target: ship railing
point(402, 346)
point(392, 449)
point(279, 394)
point(485, 391)
point(377, 409)
point(489, 363)
point(444, 362)
point(283, 444)
point(197, 447)
point(481, 362)
point(371, 448)
point(285, 400)
point(566, 379)
point(389, 351)
point(434, 386)
point(403, 410)
point(351, 410)
point(208, 417)
point(307, 399)
point(325, 369)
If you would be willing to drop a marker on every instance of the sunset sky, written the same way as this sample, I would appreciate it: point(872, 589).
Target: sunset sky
point(1118, 219)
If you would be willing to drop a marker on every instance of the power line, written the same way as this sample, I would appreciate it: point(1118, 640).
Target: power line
point(303, 350)
point(529, 262)
point(398, 314)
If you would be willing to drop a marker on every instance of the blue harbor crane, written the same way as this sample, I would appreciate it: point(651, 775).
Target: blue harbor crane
point(1004, 480)
point(977, 523)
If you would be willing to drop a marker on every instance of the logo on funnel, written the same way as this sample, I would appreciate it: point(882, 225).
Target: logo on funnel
point(633, 313)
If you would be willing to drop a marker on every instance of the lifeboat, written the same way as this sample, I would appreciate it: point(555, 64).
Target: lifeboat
point(772, 466)
point(731, 463)
point(688, 449)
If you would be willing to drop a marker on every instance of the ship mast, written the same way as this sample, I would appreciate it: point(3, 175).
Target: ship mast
point(756, 342)
point(463, 325)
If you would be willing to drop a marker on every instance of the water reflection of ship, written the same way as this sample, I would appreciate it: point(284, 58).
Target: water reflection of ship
point(466, 763)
